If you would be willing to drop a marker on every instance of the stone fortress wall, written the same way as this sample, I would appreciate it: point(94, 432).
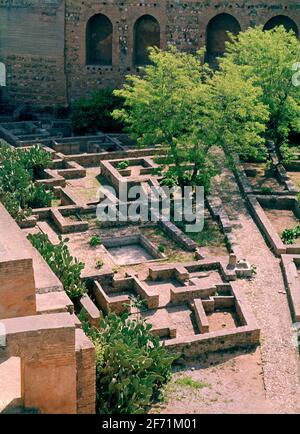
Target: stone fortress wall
point(58, 50)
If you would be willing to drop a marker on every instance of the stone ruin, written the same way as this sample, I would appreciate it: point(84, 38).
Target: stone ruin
point(41, 343)
point(195, 306)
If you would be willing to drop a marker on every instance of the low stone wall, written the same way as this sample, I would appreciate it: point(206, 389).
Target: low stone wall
point(265, 225)
point(110, 242)
point(177, 235)
point(114, 304)
point(73, 171)
point(201, 318)
point(91, 310)
point(141, 289)
point(292, 283)
point(95, 159)
point(52, 179)
point(248, 334)
point(280, 174)
point(191, 347)
point(64, 226)
point(168, 271)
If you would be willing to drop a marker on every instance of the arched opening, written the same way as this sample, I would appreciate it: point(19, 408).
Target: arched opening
point(146, 34)
point(282, 20)
point(217, 36)
point(99, 33)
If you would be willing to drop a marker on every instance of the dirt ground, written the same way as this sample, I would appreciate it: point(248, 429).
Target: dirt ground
point(264, 380)
point(282, 219)
point(295, 177)
point(86, 189)
point(262, 179)
point(231, 382)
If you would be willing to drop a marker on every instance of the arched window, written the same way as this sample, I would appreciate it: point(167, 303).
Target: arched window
point(216, 34)
point(281, 20)
point(146, 34)
point(99, 32)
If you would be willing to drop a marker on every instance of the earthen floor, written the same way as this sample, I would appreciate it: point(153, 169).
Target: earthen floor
point(266, 379)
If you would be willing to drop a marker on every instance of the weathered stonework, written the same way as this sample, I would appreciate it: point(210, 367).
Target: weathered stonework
point(44, 44)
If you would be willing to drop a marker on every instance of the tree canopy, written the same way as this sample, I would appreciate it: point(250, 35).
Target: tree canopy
point(182, 105)
point(267, 58)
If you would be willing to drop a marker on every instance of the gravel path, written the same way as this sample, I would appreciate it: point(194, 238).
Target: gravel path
point(265, 380)
point(267, 298)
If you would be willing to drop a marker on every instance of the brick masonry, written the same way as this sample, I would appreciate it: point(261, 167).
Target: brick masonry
point(43, 43)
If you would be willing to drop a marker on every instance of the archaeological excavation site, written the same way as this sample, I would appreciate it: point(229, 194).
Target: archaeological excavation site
point(149, 207)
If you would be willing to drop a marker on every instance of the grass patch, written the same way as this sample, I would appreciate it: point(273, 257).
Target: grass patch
point(189, 382)
point(171, 249)
point(55, 202)
point(211, 235)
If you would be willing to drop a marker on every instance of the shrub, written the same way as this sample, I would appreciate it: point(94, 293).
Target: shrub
point(19, 193)
point(36, 160)
point(12, 205)
point(99, 263)
point(38, 197)
point(94, 113)
point(169, 180)
point(266, 190)
point(161, 248)
point(289, 236)
point(131, 366)
point(66, 267)
point(123, 165)
point(95, 241)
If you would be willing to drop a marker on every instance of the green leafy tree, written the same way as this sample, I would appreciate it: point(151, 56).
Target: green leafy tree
point(160, 108)
point(266, 58)
point(234, 116)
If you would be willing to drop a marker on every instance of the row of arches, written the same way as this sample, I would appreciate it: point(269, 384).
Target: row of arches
point(217, 36)
point(146, 33)
point(99, 41)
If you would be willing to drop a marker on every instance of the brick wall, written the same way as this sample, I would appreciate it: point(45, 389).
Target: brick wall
point(44, 44)
point(17, 288)
point(86, 374)
point(32, 47)
point(46, 346)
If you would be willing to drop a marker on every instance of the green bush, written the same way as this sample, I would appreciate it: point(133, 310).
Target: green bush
point(289, 236)
point(123, 165)
point(18, 190)
point(266, 190)
point(169, 180)
point(66, 267)
point(94, 113)
point(36, 160)
point(38, 197)
point(132, 366)
point(99, 263)
point(161, 248)
point(95, 240)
